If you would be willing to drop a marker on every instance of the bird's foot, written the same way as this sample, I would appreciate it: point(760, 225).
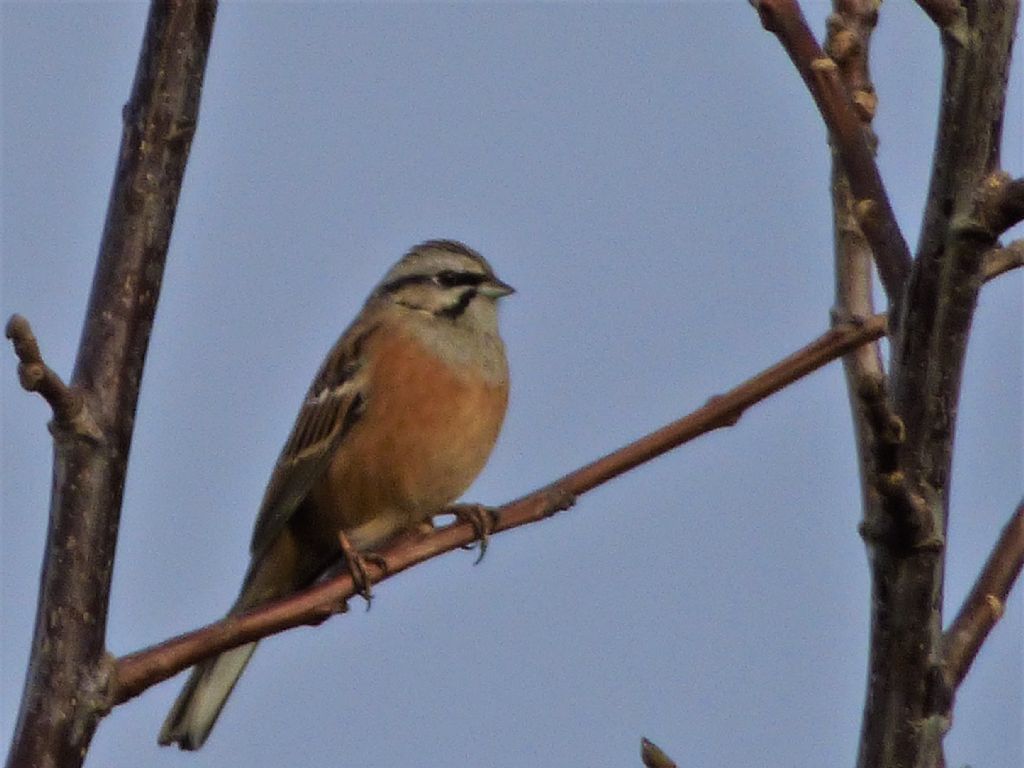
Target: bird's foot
point(483, 519)
point(356, 562)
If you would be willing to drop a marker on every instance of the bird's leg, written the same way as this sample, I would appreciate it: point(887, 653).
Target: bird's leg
point(356, 562)
point(483, 519)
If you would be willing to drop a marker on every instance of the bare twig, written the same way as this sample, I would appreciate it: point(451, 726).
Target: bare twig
point(821, 74)
point(984, 606)
point(653, 756)
point(848, 43)
point(64, 695)
point(69, 412)
point(1000, 260)
point(137, 671)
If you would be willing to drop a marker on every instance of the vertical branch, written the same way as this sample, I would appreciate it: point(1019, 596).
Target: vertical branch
point(848, 43)
point(63, 696)
point(909, 703)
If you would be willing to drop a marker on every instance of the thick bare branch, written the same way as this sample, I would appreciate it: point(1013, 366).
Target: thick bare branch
point(69, 412)
point(842, 117)
point(984, 606)
point(908, 708)
point(1000, 260)
point(64, 695)
point(137, 671)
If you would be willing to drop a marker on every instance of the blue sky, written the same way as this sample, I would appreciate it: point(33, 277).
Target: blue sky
point(654, 181)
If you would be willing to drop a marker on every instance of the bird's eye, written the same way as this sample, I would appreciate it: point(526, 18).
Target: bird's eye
point(450, 279)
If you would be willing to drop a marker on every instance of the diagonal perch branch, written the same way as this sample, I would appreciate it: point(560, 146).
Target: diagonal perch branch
point(786, 21)
point(984, 606)
point(137, 671)
point(69, 411)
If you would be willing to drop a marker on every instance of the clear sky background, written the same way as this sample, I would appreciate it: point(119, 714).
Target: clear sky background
point(654, 181)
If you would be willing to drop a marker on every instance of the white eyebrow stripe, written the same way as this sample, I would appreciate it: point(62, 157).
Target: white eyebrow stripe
point(330, 393)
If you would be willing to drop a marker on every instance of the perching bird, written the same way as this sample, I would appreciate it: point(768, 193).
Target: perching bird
point(398, 422)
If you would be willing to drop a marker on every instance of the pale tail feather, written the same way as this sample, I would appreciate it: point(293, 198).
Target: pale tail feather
point(199, 704)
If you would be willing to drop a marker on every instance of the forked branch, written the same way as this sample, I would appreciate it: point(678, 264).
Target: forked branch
point(947, 14)
point(137, 671)
point(69, 411)
point(785, 20)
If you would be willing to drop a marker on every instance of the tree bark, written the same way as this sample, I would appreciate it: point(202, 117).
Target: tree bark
point(908, 708)
point(64, 696)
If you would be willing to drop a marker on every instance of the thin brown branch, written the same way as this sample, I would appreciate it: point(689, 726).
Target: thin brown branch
point(1000, 260)
point(984, 606)
point(137, 671)
point(64, 695)
point(848, 43)
point(653, 756)
point(785, 20)
point(69, 412)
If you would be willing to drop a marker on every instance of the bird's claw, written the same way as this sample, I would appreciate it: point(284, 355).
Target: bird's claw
point(483, 519)
point(356, 562)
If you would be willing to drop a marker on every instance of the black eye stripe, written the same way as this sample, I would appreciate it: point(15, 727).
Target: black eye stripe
point(450, 279)
point(447, 278)
point(459, 307)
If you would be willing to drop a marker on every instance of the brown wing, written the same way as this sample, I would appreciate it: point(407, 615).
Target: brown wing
point(333, 405)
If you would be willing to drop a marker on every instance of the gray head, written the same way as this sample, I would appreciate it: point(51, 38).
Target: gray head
point(447, 281)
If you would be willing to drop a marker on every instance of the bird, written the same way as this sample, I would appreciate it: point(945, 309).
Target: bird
point(399, 420)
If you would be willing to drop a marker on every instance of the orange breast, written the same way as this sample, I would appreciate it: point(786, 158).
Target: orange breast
point(424, 437)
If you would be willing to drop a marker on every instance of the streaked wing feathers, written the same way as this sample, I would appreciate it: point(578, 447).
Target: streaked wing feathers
point(333, 405)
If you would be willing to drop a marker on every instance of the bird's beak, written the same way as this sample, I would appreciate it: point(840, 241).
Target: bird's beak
point(495, 288)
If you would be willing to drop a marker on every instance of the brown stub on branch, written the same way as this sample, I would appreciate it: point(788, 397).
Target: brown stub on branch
point(866, 103)
point(69, 411)
point(1002, 202)
point(905, 525)
point(843, 45)
point(653, 756)
point(867, 213)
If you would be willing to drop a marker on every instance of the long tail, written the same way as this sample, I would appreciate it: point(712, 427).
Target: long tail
point(199, 704)
point(280, 570)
